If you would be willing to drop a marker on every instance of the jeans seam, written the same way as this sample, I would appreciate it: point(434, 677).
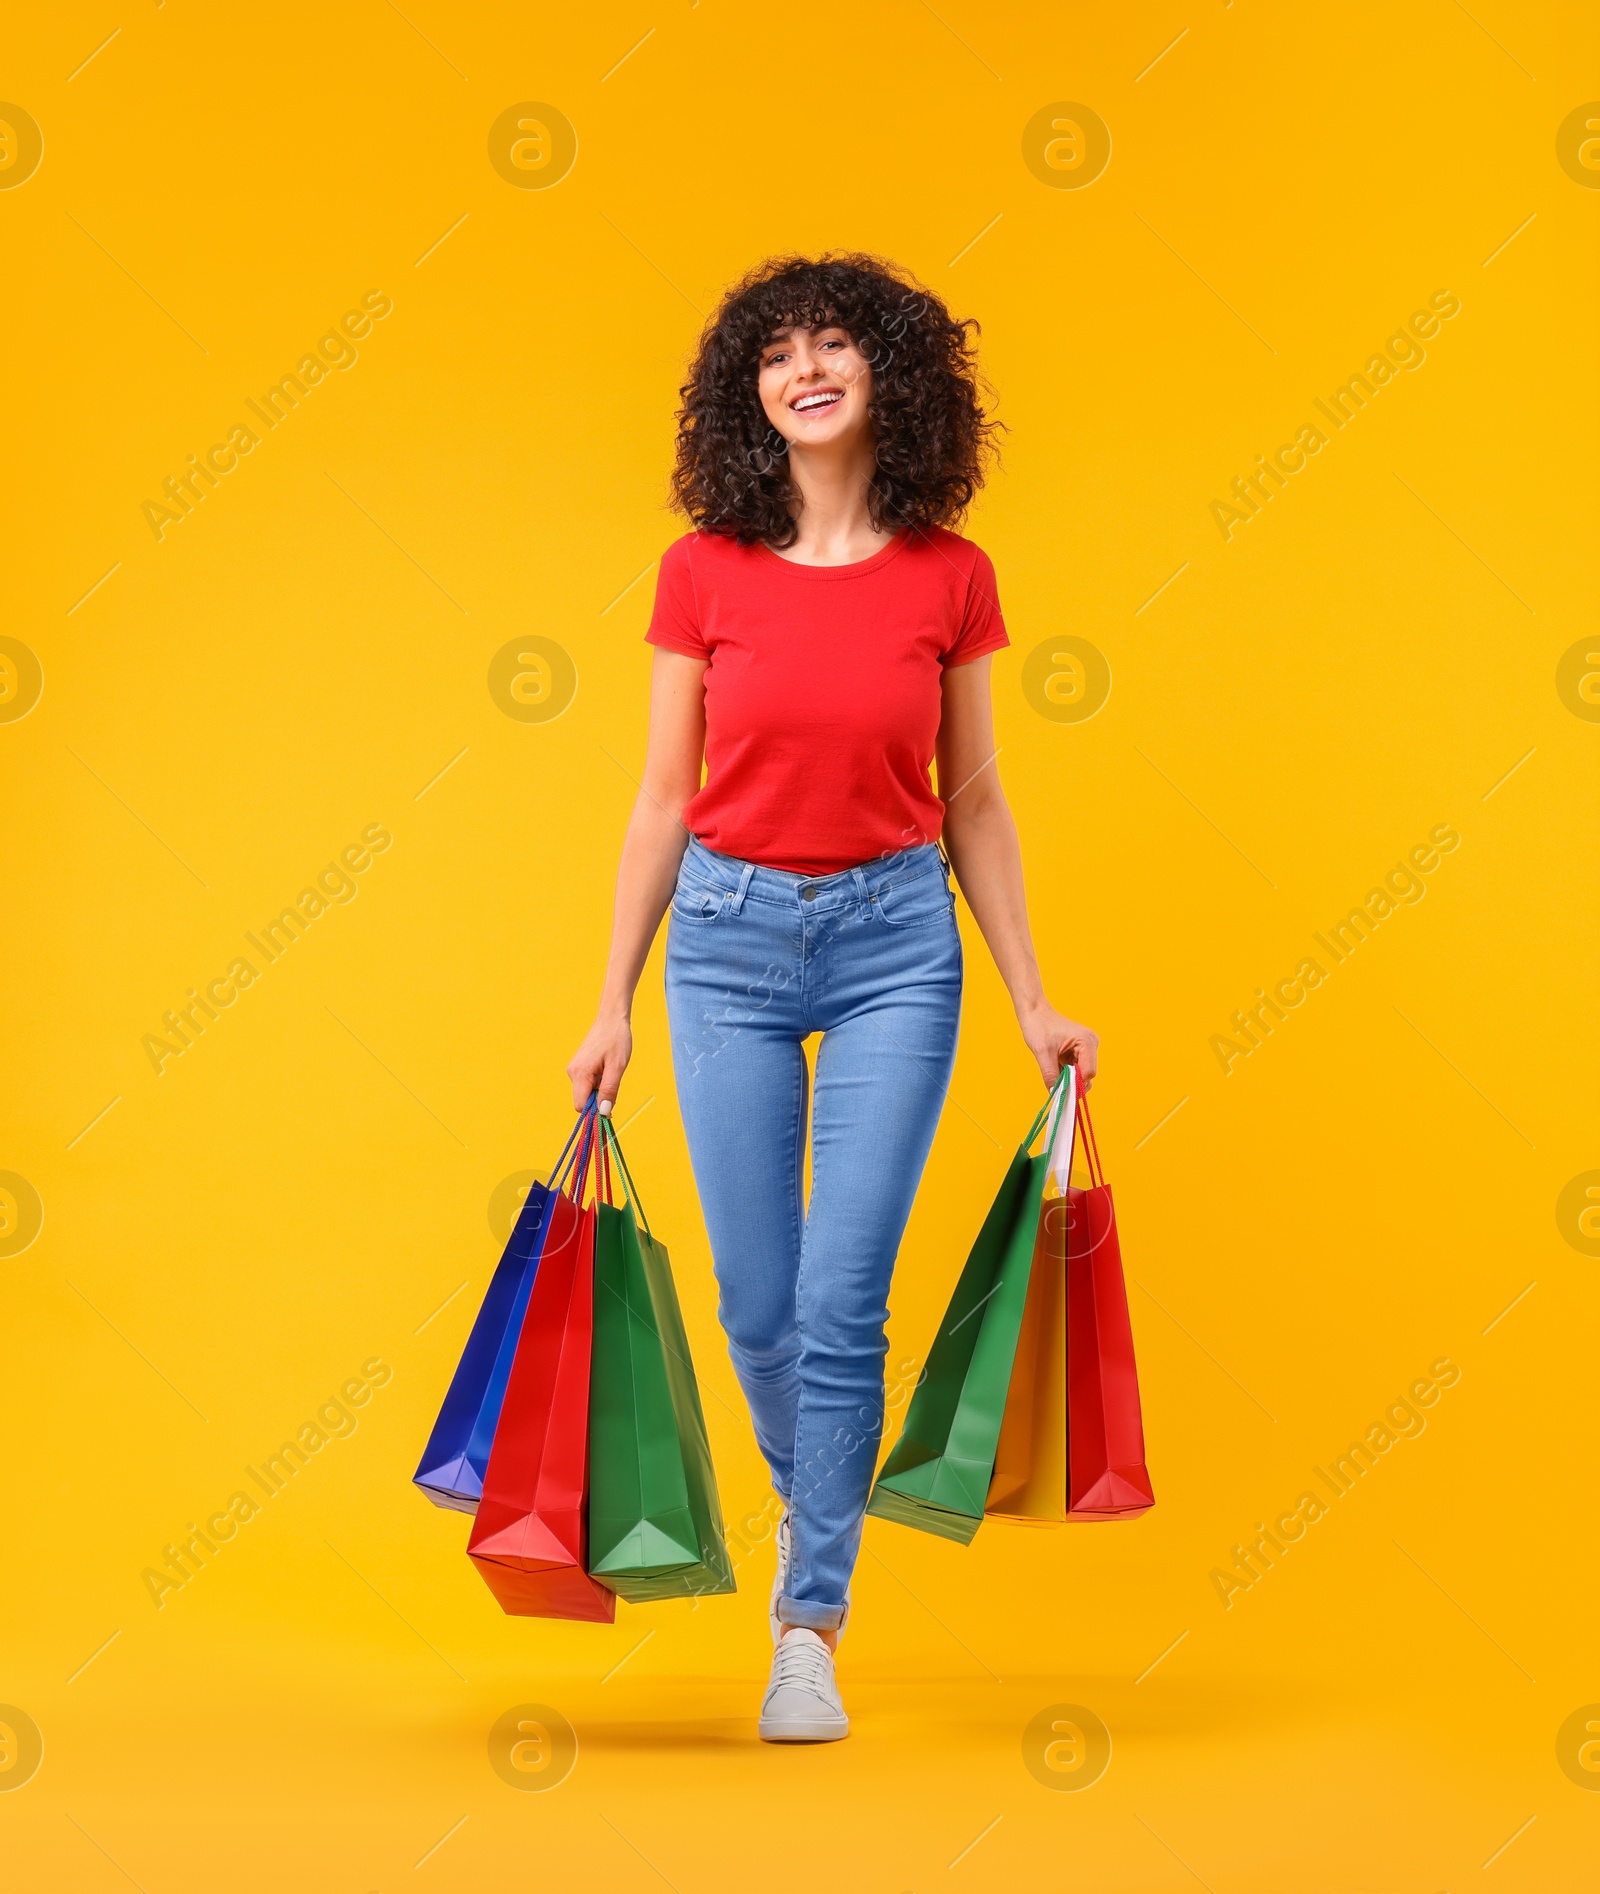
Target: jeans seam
point(805, 985)
point(797, 1209)
point(799, 1303)
point(910, 927)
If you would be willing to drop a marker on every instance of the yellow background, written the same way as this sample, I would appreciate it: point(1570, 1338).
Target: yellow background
point(1298, 708)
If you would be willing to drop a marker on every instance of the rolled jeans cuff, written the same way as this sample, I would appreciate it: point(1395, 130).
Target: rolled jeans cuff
point(810, 1617)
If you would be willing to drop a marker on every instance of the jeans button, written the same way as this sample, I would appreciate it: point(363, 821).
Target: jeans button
point(808, 894)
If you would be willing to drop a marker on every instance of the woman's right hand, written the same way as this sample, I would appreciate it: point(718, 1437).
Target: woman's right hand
point(599, 1063)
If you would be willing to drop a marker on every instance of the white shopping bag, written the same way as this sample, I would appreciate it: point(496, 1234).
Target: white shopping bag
point(1061, 1130)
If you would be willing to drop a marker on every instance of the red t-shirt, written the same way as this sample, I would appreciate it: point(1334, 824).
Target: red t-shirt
point(822, 690)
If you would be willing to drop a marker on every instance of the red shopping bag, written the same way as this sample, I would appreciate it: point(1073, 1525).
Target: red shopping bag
point(529, 1537)
point(1106, 1473)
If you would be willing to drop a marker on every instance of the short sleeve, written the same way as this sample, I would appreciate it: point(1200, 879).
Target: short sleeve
point(981, 629)
point(675, 622)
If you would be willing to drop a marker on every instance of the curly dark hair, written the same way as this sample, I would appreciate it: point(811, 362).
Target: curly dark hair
point(933, 436)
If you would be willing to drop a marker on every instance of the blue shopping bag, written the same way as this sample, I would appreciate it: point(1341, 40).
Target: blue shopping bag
point(452, 1466)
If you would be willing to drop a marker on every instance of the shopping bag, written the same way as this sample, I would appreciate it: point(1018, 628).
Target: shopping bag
point(528, 1538)
point(654, 1517)
point(938, 1474)
point(452, 1465)
point(1030, 1462)
point(1107, 1476)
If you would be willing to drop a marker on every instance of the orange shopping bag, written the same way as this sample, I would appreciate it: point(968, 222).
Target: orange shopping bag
point(1030, 1463)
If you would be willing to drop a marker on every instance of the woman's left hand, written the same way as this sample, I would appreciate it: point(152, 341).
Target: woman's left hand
point(1054, 1040)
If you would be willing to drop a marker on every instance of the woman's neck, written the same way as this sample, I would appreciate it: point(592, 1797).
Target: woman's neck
point(834, 525)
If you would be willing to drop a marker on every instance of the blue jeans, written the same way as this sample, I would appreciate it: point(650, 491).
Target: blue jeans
point(756, 961)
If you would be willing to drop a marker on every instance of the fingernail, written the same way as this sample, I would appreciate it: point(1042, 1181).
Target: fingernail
point(605, 1108)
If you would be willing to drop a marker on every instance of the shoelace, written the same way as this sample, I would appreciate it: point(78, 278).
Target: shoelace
point(802, 1665)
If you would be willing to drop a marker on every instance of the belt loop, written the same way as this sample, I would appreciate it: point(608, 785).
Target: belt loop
point(743, 888)
point(861, 886)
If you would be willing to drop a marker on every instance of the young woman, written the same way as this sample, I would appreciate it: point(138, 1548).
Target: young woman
point(821, 638)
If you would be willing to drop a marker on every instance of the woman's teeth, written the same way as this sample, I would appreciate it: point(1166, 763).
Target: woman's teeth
point(809, 404)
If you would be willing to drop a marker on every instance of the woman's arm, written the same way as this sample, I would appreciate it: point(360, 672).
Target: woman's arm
point(981, 840)
point(651, 852)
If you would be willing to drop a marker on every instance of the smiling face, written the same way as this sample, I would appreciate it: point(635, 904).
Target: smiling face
point(815, 386)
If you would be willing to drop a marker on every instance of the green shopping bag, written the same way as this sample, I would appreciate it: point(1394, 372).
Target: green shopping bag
point(937, 1476)
point(655, 1522)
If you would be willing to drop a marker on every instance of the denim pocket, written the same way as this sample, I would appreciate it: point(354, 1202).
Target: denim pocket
point(697, 902)
point(916, 901)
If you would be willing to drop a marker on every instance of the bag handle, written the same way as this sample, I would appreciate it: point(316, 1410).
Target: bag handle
point(1047, 1107)
point(608, 1135)
point(602, 1169)
point(571, 1152)
point(1097, 1171)
point(578, 1175)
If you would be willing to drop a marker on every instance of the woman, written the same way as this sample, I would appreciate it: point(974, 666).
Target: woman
point(821, 638)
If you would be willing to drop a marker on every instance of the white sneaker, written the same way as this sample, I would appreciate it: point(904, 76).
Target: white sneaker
point(802, 1702)
point(780, 1579)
